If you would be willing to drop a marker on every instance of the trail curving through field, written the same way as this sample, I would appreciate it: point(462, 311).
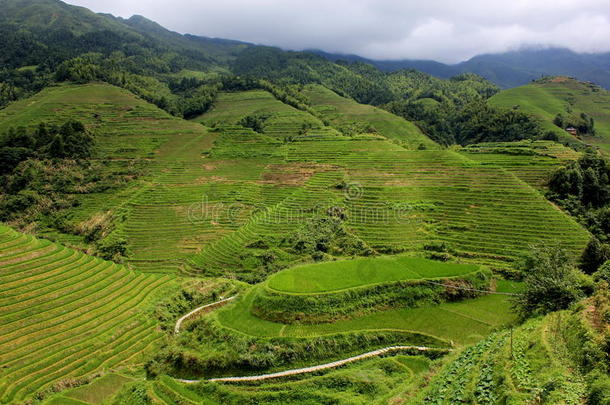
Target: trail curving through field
point(194, 311)
point(297, 371)
point(319, 367)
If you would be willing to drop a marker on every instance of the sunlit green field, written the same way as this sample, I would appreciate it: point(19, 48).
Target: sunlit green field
point(342, 274)
point(460, 322)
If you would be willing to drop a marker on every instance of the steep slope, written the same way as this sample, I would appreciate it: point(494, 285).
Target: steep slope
point(547, 98)
point(65, 315)
point(51, 30)
point(394, 198)
point(531, 161)
point(201, 194)
point(343, 112)
point(221, 51)
point(55, 15)
point(129, 133)
point(548, 360)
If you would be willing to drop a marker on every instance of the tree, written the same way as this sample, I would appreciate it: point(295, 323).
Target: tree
point(11, 157)
point(603, 273)
point(551, 282)
point(56, 148)
point(594, 255)
point(18, 138)
point(587, 179)
point(558, 120)
point(256, 122)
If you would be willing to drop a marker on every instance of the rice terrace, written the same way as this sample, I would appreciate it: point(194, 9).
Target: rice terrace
point(194, 220)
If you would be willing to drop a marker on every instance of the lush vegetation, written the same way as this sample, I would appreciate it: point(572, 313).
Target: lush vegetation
point(559, 103)
point(329, 201)
point(66, 316)
point(582, 188)
point(339, 275)
point(551, 282)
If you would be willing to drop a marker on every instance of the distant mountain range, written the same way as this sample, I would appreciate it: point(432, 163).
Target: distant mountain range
point(509, 69)
point(38, 31)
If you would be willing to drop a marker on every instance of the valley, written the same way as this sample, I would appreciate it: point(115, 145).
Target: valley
point(190, 220)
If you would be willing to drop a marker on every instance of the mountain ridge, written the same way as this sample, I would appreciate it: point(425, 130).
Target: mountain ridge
point(47, 21)
point(507, 69)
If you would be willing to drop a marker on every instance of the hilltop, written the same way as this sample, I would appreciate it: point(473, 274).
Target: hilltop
point(547, 98)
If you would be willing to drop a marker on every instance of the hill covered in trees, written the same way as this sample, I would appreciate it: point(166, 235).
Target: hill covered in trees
point(508, 69)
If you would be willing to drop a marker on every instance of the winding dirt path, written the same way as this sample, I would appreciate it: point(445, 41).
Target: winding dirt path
point(316, 368)
point(297, 371)
point(194, 311)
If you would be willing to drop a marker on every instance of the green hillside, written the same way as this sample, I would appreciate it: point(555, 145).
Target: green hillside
point(544, 359)
point(340, 181)
point(130, 137)
point(343, 113)
point(531, 161)
point(45, 27)
point(385, 191)
point(339, 275)
point(547, 98)
point(449, 323)
point(187, 220)
point(66, 315)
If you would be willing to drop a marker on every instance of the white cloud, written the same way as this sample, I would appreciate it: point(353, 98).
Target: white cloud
point(445, 30)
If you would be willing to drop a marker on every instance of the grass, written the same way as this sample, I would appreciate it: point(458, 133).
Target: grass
point(367, 381)
point(61, 400)
point(129, 132)
point(207, 196)
point(229, 108)
point(517, 369)
point(482, 205)
point(462, 322)
point(530, 161)
point(237, 182)
point(343, 274)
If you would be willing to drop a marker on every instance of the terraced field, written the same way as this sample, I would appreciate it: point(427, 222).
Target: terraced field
point(281, 121)
point(531, 161)
point(127, 127)
point(461, 322)
point(224, 200)
point(339, 275)
point(208, 184)
point(340, 111)
point(402, 200)
point(206, 195)
point(522, 368)
point(349, 384)
point(65, 315)
point(129, 133)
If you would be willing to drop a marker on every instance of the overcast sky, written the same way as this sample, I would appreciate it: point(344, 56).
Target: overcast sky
point(443, 30)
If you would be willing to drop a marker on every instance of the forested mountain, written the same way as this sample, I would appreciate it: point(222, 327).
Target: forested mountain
point(48, 31)
point(57, 42)
point(509, 69)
